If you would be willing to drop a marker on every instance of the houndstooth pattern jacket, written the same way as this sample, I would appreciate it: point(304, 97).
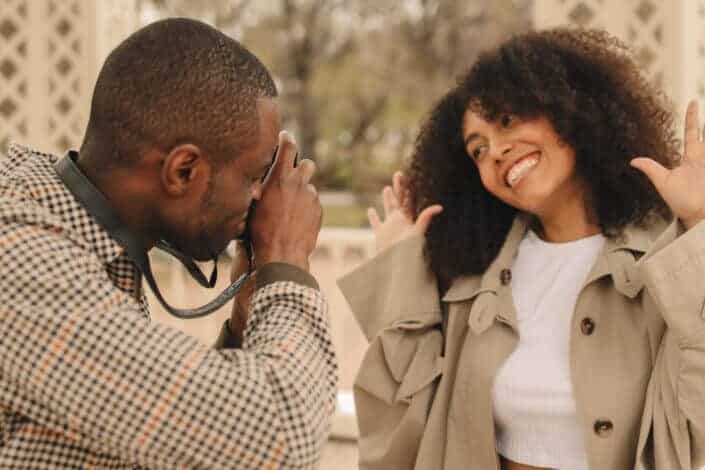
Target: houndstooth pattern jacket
point(86, 381)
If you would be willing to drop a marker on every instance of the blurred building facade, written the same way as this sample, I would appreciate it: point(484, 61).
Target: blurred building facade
point(51, 51)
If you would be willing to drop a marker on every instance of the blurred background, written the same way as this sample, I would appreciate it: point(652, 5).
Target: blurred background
point(356, 78)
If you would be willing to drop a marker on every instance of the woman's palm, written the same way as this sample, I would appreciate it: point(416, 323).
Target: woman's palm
point(683, 187)
point(398, 222)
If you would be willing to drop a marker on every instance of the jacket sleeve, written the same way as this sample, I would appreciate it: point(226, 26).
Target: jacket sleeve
point(78, 357)
point(394, 284)
point(395, 301)
point(674, 275)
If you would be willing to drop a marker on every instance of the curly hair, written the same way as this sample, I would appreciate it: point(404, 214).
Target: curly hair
point(586, 84)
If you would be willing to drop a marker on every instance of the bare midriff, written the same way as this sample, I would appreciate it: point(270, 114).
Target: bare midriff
point(509, 465)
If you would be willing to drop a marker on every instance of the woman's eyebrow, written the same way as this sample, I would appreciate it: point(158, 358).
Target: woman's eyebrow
point(470, 137)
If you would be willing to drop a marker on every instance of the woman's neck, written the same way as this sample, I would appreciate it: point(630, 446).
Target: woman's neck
point(567, 222)
point(562, 231)
point(568, 218)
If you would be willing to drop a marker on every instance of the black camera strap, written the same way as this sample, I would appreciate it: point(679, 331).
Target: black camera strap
point(99, 208)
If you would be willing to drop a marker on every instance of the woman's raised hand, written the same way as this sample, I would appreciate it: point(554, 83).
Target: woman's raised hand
point(683, 187)
point(398, 221)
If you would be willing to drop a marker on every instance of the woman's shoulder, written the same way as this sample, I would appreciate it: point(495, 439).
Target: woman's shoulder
point(396, 284)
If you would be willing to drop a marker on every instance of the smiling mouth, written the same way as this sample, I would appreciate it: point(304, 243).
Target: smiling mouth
point(521, 168)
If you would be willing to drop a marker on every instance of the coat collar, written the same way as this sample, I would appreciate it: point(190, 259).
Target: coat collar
point(617, 259)
point(45, 186)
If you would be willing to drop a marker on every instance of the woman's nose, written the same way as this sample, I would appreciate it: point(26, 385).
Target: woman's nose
point(502, 150)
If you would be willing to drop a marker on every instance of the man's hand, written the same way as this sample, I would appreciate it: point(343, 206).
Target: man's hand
point(241, 304)
point(287, 218)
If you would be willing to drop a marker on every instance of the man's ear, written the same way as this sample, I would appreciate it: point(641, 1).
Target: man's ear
point(184, 167)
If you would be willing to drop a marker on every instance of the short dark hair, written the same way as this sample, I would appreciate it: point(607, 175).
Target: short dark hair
point(174, 81)
point(585, 83)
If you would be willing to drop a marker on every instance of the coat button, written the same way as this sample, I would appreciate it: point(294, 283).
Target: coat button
point(505, 276)
point(603, 427)
point(587, 326)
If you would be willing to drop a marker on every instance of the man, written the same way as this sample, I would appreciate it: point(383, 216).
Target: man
point(183, 126)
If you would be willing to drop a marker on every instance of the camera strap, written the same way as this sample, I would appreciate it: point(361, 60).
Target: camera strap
point(99, 208)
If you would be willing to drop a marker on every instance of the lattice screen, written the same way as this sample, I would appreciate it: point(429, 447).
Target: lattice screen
point(50, 51)
point(14, 71)
point(667, 37)
point(696, 69)
point(647, 32)
point(645, 25)
point(68, 87)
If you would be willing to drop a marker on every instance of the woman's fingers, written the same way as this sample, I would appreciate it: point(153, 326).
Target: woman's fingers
point(373, 217)
point(389, 200)
point(398, 188)
point(426, 215)
point(692, 129)
point(657, 173)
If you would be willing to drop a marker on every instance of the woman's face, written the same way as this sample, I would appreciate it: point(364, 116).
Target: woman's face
point(524, 163)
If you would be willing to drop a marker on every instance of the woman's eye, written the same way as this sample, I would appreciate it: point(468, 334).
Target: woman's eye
point(478, 152)
point(507, 120)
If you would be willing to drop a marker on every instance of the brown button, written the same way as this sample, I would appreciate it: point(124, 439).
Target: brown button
point(505, 276)
point(587, 326)
point(603, 427)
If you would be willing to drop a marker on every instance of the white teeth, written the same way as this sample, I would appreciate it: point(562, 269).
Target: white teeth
point(520, 169)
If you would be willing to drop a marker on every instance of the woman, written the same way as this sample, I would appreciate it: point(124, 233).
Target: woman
point(532, 305)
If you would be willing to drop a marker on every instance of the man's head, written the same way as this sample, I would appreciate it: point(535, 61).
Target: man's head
point(183, 122)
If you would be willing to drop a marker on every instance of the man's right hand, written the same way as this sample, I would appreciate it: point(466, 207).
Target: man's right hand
point(287, 219)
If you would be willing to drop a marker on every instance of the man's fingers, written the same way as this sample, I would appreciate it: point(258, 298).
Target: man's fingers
point(692, 126)
point(240, 261)
point(373, 217)
point(286, 154)
point(307, 167)
point(426, 215)
point(657, 173)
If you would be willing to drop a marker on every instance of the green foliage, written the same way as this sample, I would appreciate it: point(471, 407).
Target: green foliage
point(357, 76)
point(345, 216)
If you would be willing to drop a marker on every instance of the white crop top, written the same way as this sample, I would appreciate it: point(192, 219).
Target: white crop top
point(534, 406)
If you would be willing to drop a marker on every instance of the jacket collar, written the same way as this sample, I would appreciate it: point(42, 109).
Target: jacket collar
point(493, 300)
point(46, 187)
point(467, 287)
point(619, 257)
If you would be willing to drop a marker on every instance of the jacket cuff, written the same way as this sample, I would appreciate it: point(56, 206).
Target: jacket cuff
point(278, 272)
point(672, 274)
point(395, 283)
point(226, 338)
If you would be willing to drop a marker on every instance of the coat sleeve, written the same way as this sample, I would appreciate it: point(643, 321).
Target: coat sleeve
point(674, 275)
point(395, 300)
point(78, 357)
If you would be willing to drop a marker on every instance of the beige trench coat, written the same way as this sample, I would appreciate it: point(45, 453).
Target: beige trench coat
point(637, 356)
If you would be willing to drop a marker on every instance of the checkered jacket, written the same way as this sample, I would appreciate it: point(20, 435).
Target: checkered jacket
point(86, 381)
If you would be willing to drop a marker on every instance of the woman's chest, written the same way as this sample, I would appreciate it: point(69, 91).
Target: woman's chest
point(610, 344)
